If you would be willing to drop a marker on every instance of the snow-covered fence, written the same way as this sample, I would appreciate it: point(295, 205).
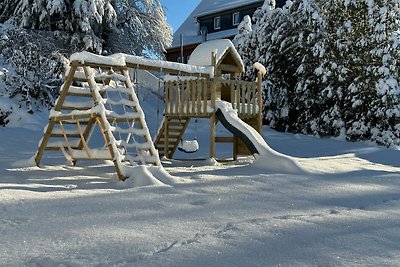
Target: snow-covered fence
point(187, 97)
point(196, 97)
point(244, 97)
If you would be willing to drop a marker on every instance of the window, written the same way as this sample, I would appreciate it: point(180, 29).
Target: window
point(217, 23)
point(235, 18)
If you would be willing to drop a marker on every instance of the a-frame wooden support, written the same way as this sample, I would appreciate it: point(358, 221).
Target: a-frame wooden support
point(99, 96)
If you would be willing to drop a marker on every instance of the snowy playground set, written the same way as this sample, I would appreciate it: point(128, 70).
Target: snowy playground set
point(98, 97)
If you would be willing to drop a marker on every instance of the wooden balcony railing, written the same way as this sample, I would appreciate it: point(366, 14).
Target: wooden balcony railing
point(196, 97)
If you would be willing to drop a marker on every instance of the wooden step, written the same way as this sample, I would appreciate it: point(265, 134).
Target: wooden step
point(59, 135)
point(56, 148)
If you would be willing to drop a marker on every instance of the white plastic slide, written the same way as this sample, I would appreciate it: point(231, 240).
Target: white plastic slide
point(266, 156)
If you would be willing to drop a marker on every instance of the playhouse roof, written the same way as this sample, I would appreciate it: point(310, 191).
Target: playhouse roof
point(225, 51)
point(189, 27)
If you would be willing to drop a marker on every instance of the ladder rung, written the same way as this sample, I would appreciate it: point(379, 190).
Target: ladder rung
point(176, 124)
point(174, 130)
point(68, 135)
point(161, 145)
point(127, 115)
point(169, 139)
point(69, 122)
point(79, 94)
point(75, 108)
point(172, 134)
point(54, 148)
point(130, 120)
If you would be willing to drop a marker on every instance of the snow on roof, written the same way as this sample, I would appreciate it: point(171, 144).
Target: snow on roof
point(201, 56)
point(222, 5)
point(189, 28)
point(196, 39)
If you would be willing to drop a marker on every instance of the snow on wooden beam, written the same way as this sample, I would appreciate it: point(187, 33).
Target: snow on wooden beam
point(123, 60)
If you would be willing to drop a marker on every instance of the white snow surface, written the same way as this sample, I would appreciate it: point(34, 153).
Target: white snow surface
point(344, 211)
point(201, 56)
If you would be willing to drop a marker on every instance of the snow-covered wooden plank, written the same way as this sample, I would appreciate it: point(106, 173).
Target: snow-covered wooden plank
point(99, 154)
point(130, 131)
point(125, 102)
point(87, 58)
point(77, 105)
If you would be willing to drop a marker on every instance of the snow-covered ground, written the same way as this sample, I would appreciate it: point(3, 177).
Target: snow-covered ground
point(344, 212)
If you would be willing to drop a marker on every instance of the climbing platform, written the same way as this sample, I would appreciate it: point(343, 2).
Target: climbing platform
point(99, 99)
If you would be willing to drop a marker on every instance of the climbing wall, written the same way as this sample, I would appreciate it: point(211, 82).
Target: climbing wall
point(99, 99)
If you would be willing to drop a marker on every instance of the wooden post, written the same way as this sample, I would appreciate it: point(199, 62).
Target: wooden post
point(260, 107)
point(213, 118)
point(166, 137)
point(212, 135)
point(60, 101)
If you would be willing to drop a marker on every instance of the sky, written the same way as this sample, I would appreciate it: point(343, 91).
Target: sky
point(178, 10)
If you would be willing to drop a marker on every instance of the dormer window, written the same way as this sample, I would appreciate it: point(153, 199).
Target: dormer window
point(217, 23)
point(235, 18)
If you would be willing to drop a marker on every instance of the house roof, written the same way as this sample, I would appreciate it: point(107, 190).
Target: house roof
point(189, 27)
point(225, 53)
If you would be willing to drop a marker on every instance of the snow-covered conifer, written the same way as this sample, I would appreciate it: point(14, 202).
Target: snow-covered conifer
point(142, 27)
point(333, 67)
point(115, 25)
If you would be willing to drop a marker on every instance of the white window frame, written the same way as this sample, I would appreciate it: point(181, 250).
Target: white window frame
point(234, 23)
point(217, 27)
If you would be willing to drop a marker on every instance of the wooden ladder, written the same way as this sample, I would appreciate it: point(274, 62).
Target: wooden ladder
point(172, 137)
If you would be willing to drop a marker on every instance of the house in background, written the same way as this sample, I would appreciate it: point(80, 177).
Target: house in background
point(210, 20)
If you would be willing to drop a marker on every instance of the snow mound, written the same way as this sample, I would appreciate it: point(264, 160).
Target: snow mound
point(24, 163)
point(139, 176)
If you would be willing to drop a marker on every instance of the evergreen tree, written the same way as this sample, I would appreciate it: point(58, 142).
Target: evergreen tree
point(362, 63)
point(144, 22)
point(333, 67)
point(96, 22)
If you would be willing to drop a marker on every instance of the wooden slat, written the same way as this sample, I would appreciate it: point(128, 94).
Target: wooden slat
point(181, 97)
point(75, 122)
point(243, 99)
point(56, 148)
point(194, 96)
point(187, 96)
point(198, 95)
point(73, 117)
point(79, 94)
point(59, 135)
point(224, 139)
point(205, 89)
point(166, 96)
point(176, 90)
point(248, 96)
point(237, 98)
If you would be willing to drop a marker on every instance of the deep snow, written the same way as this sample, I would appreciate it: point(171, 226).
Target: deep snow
point(233, 214)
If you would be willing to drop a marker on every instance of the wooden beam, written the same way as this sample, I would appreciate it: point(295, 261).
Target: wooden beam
point(224, 139)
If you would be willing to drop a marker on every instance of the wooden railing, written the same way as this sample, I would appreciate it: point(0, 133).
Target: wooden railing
point(244, 96)
point(196, 97)
point(187, 97)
